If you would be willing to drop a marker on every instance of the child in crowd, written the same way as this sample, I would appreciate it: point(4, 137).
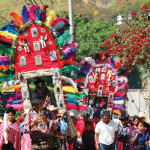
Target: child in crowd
point(123, 135)
point(132, 128)
point(13, 132)
point(88, 137)
point(140, 137)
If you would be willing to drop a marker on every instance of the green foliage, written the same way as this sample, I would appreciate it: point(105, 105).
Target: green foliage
point(135, 79)
point(91, 35)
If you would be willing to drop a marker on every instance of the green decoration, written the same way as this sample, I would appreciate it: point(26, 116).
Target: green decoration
point(63, 37)
point(7, 77)
point(40, 23)
point(76, 96)
point(5, 50)
point(18, 114)
point(25, 26)
point(13, 50)
point(67, 83)
point(8, 93)
point(122, 71)
point(68, 69)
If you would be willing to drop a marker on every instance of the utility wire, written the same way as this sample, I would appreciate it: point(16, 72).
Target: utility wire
point(35, 2)
point(4, 19)
point(41, 2)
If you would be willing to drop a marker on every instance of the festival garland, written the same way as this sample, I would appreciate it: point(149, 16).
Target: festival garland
point(13, 50)
point(25, 26)
point(40, 23)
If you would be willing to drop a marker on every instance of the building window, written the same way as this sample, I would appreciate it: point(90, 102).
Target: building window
point(53, 55)
point(34, 32)
point(23, 61)
point(38, 60)
point(36, 45)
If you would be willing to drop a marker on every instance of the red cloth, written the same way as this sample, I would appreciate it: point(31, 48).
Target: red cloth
point(6, 39)
point(120, 146)
point(26, 142)
point(13, 136)
point(75, 107)
point(80, 126)
point(43, 52)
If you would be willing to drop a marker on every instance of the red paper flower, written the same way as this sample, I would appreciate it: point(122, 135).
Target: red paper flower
point(133, 13)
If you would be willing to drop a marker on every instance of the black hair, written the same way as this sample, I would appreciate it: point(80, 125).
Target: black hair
point(88, 123)
point(135, 117)
point(139, 123)
point(124, 118)
point(86, 114)
point(10, 109)
point(106, 113)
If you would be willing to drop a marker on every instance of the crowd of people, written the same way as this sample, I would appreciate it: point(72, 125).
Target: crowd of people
point(42, 128)
point(95, 134)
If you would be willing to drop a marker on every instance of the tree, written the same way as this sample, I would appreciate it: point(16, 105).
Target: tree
point(131, 41)
point(91, 35)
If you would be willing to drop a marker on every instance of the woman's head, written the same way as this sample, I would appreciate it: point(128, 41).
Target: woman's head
point(135, 120)
point(11, 113)
point(140, 126)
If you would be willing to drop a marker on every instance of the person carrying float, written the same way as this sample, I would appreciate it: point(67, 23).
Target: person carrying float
point(36, 125)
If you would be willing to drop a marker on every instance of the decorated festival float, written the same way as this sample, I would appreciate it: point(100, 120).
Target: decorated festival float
point(32, 45)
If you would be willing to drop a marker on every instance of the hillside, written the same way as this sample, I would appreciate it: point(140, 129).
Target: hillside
point(98, 8)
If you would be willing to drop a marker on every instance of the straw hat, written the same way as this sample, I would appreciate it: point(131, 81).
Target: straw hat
point(53, 108)
point(142, 115)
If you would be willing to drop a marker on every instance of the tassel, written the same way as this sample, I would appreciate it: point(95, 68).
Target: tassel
point(43, 13)
point(31, 12)
point(9, 29)
point(50, 18)
point(38, 17)
point(17, 19)
point(14, 26)
point(24, 14)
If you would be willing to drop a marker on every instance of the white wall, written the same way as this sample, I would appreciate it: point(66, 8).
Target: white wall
point(136, 103)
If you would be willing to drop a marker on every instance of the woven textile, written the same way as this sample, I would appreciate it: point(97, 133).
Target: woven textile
point(13, 136)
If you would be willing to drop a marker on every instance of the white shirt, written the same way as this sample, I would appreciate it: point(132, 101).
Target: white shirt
point(106, 132)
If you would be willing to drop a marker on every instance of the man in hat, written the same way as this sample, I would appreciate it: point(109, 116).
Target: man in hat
point(143, 117)
point(36, 122)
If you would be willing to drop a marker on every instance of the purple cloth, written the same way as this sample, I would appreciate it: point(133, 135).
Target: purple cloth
point(10, 97)
point(119, 98)
point(119, 107)
point(141, 139)
point(132, 128)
